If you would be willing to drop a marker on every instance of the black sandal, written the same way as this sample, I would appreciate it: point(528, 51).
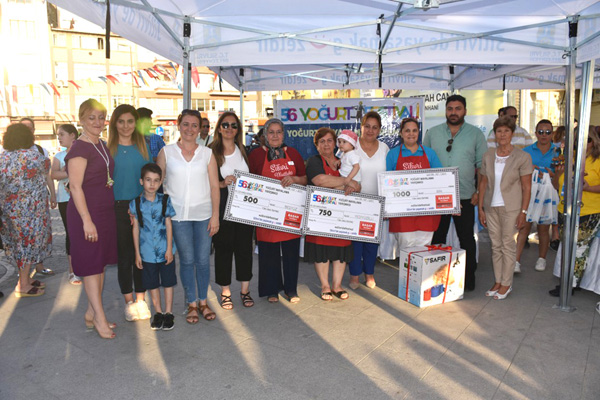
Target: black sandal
point(247, 301)
point(226, 302)
point(342, 294)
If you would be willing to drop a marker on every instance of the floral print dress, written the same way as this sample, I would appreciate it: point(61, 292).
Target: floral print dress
point(26, 229)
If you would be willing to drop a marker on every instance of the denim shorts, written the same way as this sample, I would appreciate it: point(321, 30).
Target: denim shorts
point(159, 275)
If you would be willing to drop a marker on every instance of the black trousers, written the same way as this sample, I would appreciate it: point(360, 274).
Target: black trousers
point(271, 258)
point(62, 207)
point(128, 274)
point(233, 239)
point(464, 229)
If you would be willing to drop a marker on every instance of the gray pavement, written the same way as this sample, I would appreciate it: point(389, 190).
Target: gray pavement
point(373, 345)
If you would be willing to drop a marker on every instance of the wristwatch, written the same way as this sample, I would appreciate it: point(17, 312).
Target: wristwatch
point(524, 212)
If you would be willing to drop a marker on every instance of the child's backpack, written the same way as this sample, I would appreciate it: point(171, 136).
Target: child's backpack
point(138, 211)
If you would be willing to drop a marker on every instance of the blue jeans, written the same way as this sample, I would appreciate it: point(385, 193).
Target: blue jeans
point(365, 255)
point(193, 246)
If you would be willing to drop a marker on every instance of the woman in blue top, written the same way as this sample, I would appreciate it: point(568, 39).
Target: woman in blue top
point(130, 152)
point(412, 231)
point(67, 134)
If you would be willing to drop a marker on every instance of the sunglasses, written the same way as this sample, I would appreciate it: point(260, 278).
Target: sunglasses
point(589, 140)
point(544, 132)
point(449, 148)
point(226, 125)
point(206, 126)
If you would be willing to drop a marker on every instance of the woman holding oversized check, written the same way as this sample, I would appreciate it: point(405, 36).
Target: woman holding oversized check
point(412, 231)
point(322, 170)
point(276, 249)
point(372, 154)
point(233, 238)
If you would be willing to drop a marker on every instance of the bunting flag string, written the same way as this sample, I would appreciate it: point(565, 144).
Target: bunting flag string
point(169, 71)
point(75, 84)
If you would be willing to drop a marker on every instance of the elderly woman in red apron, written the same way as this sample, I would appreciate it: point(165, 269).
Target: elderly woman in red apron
point(277, 249)
point(322, 170)
point(412, 231)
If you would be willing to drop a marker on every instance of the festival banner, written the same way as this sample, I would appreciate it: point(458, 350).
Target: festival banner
point(302, 118)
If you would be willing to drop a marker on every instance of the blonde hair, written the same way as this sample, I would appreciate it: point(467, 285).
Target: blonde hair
point(89, 106)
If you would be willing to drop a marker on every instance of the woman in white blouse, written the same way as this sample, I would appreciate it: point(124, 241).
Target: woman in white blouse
point(191, 180)
point(372, 154)
point(233, 239)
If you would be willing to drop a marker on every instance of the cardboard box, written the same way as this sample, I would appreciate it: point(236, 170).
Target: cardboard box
point(435, 275)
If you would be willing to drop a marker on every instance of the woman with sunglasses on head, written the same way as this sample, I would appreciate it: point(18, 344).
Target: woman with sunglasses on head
point(504, 192)
point(410, 155)
point(192, 182)
point(589, 214)
point(130, 151)
point(277, 250)
point(542, 153)
point(233, 238)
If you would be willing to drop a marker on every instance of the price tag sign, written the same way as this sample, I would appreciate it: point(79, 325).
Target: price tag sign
point(420, 192)
point(331, 213)
point(259, 201)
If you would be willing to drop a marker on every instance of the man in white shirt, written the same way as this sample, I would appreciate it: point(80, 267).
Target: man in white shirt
point(204, 139)
point(521, 138)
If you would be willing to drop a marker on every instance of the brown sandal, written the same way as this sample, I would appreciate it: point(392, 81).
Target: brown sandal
point(210, 315)
point(192, 319)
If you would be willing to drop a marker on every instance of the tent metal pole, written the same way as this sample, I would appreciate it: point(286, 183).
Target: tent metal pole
point(585, 102)
point(187, 66)
point(242, 82)
point(570, 218)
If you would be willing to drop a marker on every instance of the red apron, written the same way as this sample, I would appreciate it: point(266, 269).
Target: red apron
point(325, 241)
point(276, 169)
point(428, 223)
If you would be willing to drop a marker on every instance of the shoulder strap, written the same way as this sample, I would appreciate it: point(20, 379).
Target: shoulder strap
point(138, 211)
point(165, 199)
point(40, 149)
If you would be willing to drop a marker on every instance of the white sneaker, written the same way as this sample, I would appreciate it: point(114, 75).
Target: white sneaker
point(131, 312)
point(143, 310)
point(517, 267)
point(540, 264)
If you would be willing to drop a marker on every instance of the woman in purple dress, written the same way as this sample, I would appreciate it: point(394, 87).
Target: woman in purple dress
point(91, 218)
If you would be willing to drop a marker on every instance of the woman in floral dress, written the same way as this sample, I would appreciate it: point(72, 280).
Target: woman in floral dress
point(26, 230)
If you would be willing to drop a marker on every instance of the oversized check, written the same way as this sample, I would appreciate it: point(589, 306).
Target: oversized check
point(260, 201)
point(420, 192)
point(332, 214)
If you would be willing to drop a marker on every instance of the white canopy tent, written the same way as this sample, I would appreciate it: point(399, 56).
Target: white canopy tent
point(398, 76)
point(458, 43)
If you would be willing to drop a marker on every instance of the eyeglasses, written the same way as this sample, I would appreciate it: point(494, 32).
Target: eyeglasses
point(544, 132)
point(449, 148)
point(206, 126)
point(226, 125)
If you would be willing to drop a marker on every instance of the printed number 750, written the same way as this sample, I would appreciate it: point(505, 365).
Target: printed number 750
point(326, 213)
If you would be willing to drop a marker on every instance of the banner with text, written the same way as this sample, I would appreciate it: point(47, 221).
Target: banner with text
point(302, 118)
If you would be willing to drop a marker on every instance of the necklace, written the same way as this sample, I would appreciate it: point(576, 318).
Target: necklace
point(186, 151)
point(106, 158)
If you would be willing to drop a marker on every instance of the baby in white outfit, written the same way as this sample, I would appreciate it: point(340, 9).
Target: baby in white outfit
point(350, 163)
